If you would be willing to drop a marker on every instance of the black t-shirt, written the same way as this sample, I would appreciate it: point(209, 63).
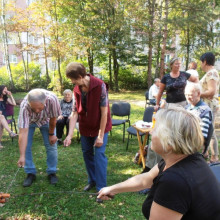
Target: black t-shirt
point(175, 87)
point(188, 187)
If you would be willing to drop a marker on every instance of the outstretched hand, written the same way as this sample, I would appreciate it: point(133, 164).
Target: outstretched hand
point(105, 194)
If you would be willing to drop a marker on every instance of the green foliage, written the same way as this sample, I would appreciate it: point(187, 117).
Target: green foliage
point(130, 81)
point(4, 78)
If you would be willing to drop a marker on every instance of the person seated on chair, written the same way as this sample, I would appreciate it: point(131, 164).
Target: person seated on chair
point(66, 105)
point(154, 89)
point(198, 108)
point(5, 98)
point(182, 184)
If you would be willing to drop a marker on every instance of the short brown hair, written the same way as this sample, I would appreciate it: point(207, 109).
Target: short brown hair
point(75, 70)
point(193, 65)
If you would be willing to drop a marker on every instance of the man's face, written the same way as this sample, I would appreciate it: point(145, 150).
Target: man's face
point(192, 96)
point(157, 83)
point(78, 81)
point(36, 107)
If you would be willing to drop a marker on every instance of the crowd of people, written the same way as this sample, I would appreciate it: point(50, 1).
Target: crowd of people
point(180, 180)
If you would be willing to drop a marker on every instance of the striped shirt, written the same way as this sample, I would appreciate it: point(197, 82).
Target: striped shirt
point(203, 111)
point(51, 110)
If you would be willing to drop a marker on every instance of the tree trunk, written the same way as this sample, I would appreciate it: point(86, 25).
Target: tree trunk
point(163, 51)
point(6, 51)
point(151, 6)
point(27, 66)
point(116, 70)
point(90, 60)
point(187, 46)
point(45, 57)
point(110, 71)
point(57, 48)
point(23, 60)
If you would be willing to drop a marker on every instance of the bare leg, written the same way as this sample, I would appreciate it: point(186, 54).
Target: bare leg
point(214, 143)
point(4, 123)
point(1, 132)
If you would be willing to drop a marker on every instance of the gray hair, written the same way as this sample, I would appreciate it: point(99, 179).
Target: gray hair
point(36, 95)
point(194, 86)
point(67, 91)
point(179, 131)
point(156, 79)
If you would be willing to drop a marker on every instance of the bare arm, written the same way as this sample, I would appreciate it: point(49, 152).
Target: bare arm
point(159, 95)
point(136, 183)
point(52, 125)
point(160, 212)
point(103, 121)
point(10, 99)
point(72, 123)
point(22, 142)
point(212, 85)
point(193, 79)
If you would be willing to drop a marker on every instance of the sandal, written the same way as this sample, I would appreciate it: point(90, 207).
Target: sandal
point(12, 134)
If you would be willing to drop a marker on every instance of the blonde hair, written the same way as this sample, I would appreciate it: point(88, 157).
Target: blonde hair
point(179, 130)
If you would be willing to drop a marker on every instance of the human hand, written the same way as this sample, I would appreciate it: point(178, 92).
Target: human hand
point(60, 117)
point(0, 112)
point(105, 194)
point(21, 161)
point(9, 93)
point(156, 107)
point(98, 142)
point(67, 141)
point(52, 139)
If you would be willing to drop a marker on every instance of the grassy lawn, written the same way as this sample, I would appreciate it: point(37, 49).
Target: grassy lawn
point(64, 200)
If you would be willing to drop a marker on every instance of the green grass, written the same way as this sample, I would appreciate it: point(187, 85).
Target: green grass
point(72, 177)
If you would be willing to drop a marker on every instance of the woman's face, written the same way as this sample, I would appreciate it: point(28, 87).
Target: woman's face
point(4, 92)
point(68, 96)
point(203, 64)
point(176, 66)
point(77, 82)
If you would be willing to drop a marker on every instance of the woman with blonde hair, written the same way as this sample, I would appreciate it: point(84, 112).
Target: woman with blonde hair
point(182, 184)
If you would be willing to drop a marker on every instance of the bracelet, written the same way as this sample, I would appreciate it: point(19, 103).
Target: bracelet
point(51, 134)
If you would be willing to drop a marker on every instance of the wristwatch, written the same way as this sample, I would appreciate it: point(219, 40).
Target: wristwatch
point(51, 134)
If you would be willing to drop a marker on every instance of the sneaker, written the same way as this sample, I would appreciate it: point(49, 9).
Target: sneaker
point(12, 134)
point(29, 179)
point(53, 178)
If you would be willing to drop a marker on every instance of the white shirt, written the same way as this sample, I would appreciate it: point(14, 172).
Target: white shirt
point(153, 91)
point(192, 72)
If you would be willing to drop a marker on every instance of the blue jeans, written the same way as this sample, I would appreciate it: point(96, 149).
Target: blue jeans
point(95, 160)
point(50, 149)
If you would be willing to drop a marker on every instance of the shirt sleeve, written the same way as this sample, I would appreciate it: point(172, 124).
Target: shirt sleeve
point(173, 193)
point(55, 109)
point(23, 118)
point(104, 96)
point(212, 75)
point(163, 80)
point(187, 75)
point(205, 123)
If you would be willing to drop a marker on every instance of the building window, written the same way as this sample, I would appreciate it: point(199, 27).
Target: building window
point(13, 58)
point(167, 58)
point(29, 1)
